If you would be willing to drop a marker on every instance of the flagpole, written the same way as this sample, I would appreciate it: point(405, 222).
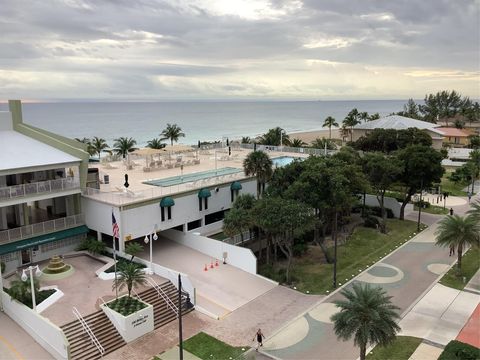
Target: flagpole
point(115, 256)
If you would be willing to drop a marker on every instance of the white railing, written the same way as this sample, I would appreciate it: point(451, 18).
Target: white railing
point(35, 188)
point(162, 294)
point(125, 196)
point(237, 239)
point(41, 228)
point(89, 331)
point(287, 149)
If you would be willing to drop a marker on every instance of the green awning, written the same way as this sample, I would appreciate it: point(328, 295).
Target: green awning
point(236, 186)
point(42, 239)
point(167, 202)
point(204, 193)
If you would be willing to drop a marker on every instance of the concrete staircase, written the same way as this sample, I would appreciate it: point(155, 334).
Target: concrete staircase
point(81, 346)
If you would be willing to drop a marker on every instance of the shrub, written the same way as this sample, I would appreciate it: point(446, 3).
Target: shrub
point(424, 204)
point(371, 222)
point(299, 249)
point(92, 245)
point(373, 210)
point(456, 350)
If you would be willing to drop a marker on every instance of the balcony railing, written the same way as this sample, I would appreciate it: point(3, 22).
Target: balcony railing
point(36, 229)
point(36, 188)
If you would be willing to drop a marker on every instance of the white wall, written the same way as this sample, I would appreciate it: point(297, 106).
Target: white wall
point(388, 202)
point(47, 334)
point(242, 258)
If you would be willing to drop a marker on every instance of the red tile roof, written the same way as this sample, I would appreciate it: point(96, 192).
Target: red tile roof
point(452, 132)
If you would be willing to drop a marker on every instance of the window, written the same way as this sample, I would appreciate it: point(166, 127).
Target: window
point(169, 213)
point(163, 213)
point(234, 194)
point(214, 217)
point(200, 201)
point(194, 224)
point(203, 202)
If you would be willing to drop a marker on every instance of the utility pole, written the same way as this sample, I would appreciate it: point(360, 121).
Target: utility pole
point(335, 252)
point(420, 204)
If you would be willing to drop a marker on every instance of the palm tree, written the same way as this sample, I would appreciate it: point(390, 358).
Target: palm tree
point(276, 137)
point(172, 132)
point(459, 232)
point(352, 119)
point(475, 212)
point(155, 144)
point(124, 145)
point(329, 122)
point(246, 140)
point(258, 163)
point(99, 145)
point(131, 276)
point(367, 315)
point(22, 291)
point(297, 143)
point(319, 143)
point(91, 151)
point(132, 249)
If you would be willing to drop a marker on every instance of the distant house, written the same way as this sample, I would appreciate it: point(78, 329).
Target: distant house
point(454, 137)
point(397, 122)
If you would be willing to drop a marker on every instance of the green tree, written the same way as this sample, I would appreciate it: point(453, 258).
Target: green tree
point(133, 249)
point(95, 247)
point(155, 143)
point(382, 172)
point(422, 167)
point(259, 164)
point(172, 132)
point(474, 141)
point(389, 140)
point(99, 145)
point(130, 276)
point(124, 145)
point(89, 148)
point(297, 143)
point(374, 116)
point(444, 105)
point(474, 212)
point(319, 143)
point(367, 315)
point(411, 110)
point(352, 119)
point(246, 140)
point(237, 221)
point(459, 232)
point(274, 137)
point(329, 122)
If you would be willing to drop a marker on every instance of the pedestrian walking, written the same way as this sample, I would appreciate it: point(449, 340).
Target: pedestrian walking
point(469, 197)
point(259, 335)
point(452, 250)
point(451, 211)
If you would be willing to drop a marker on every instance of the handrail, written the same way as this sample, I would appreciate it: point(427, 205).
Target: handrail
point(38, 187)
point(89, 331)
point(136, 294)
point(164, 296)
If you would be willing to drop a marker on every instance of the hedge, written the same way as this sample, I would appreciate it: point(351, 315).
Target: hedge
point(456, 350)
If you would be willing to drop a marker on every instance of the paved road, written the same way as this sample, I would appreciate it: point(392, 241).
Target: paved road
point(406, 275)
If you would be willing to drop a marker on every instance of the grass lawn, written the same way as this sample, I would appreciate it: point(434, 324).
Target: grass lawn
point(365, 246)
point(470, 265)
point(433, 209)
point(455, 189)
point(219, 236)
point(207, 347)
point(401, 349)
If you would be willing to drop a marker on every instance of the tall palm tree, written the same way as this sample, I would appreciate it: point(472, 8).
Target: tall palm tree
point(172, 132)
point(352, 119)
point(459, 232)
point(297, 143)
point(124, 145)
point(259, 164)
point(155, 144)
point(132, 249)
point(319, 143)
point(91, 151)
point(130, 276)
point(99, 145)
point(329, 122)
point(276, 137)
point(367, 315)
point(246, 140)
point(475, 211)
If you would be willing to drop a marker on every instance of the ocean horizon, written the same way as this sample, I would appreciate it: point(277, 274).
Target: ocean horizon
point(199, 120)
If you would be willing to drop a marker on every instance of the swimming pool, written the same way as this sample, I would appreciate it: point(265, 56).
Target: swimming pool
point(283, 160)
point(175, 180)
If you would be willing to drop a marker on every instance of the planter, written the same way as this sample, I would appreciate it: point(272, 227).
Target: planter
point(133, 325)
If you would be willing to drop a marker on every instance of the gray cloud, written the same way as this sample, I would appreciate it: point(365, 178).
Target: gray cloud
point(161, 48)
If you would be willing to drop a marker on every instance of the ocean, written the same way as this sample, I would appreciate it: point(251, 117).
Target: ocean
point(202, 120)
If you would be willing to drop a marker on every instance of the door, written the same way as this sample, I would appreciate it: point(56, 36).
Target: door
point(26, 256)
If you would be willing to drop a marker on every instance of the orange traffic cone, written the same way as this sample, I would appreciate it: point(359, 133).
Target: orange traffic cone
point(216, 262)
point(205, 268)
point(211, 265)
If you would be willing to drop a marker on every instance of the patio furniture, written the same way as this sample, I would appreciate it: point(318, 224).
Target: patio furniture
point(146, 169)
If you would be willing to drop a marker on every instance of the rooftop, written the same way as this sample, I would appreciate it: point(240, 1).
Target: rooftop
point(452, 132)
point(397, 122)
point(22, 152)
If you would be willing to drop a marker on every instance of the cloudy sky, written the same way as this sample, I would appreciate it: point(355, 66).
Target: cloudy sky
point(237, 49)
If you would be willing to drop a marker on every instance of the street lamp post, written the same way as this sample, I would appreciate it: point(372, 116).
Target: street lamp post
point(1, 289)
point(335, 251)
point(149, 239)
point(24, 277)
point(180, 329)
point(420, 204)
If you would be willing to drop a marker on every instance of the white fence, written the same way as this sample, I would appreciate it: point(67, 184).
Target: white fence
point(294, 150)
point(47, 334)
point(239, 257)
point(41, 187)
point(41, 228)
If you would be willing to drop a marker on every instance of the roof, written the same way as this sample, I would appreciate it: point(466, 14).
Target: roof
point(452, 132)
point(20, 151)
point(397, 122)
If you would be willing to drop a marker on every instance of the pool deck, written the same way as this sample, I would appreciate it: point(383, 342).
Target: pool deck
point(116, 194)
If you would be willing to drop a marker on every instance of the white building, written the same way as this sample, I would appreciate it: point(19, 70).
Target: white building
point(41, 180)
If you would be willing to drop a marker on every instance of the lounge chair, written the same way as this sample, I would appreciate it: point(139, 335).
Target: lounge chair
point(146, 169)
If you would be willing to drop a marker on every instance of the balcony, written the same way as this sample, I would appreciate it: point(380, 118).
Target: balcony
point(28, 231)
point(38, 188)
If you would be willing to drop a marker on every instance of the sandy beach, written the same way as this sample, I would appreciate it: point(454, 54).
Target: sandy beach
point(309, 136)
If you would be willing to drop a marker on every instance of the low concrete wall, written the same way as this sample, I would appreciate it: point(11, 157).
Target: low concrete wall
point(390, 203)
point(239, 257)
point(47, 334)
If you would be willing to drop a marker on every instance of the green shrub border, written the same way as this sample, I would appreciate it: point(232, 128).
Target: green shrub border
point(456, 350)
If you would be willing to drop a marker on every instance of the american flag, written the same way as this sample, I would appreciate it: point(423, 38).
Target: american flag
point(115, 227)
